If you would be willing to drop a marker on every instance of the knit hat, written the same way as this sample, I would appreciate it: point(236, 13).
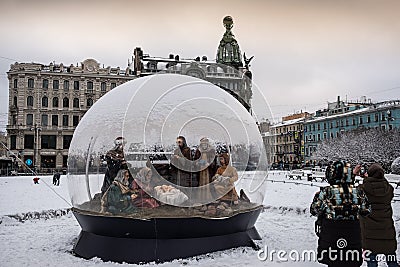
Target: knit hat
point(339, 173)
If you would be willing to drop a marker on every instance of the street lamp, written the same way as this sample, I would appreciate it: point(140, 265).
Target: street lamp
point(35, 130)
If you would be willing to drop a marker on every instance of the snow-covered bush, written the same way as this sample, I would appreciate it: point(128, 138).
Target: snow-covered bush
point(362, 145)
point(396, 166)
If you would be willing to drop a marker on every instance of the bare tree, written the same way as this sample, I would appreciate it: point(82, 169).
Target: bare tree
point(362, 145)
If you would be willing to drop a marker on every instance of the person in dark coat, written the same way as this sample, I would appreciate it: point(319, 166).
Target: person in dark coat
point(115, 162)
point(377, 230)
point(181, 164)
point(56, 178)
point(338, 207)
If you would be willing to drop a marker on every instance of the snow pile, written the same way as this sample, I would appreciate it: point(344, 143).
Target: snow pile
point(36, 215)
point(396, 166)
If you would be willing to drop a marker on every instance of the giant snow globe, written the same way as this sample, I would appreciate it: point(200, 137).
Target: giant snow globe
point(164, 167)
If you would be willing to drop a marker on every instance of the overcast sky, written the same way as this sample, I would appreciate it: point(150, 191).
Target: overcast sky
point(307, 52)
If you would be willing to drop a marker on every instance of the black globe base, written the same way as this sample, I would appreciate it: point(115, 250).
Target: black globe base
point(121, 239)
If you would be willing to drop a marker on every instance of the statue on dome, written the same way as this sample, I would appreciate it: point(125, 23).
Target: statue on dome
point(228, 50)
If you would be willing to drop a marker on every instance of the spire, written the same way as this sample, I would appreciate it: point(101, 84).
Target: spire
point(228, 49)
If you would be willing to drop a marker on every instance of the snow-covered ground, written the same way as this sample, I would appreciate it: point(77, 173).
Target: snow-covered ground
point(46, 238)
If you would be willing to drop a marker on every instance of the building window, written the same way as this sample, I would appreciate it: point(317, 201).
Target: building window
point(390, 127)
point(66, 85)
point(76, 85)
point(55, 102)
point(48, 162)
point(89, 88)
point(65, 102)
point(45, 102)
point(13, 142)
point(29, 101)
point(89, 102)
point(45, 120)
point(56, 84)
point(29, 141)
point(45, 84)
point(76, 102)
point(354, 121)
point(368, 119)
point(347, 122)
point(113, 85)
point(325, 135)
point(103, 87)
point(14, 120)
point(48, 142)
point(65, 161)
point(361, 120)
point(15, 83)
point(331, 125)
point(75, 120)
point(65, 120)
point(29, 119)
point(318, 127)
point(67, 141)
point(324, 125)
point(30, 83)
point(331, 135)
point(313, 127)
point(383, 116)
point(319, 137)
point(337, 134)
point(54, 120)
point(376, 117)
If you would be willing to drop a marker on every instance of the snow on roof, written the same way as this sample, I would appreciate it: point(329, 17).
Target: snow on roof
point(372, 108)
point(181, 60)
point(289, 122)
point(362, 110)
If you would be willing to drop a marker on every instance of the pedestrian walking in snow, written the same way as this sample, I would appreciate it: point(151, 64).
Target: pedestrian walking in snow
point(56, 178)
point(377, 230)
point(338, 207)
point(36, 180)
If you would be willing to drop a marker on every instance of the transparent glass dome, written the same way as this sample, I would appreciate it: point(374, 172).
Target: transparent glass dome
point(167, 145)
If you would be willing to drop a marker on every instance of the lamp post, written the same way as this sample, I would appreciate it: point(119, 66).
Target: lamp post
point(389, 118)
point(35, 130)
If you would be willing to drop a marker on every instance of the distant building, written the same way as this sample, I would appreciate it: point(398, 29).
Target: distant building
point(268, 139)
point(46, 102)
point(288, 147)
point(228, 71)
point(342, 116)
point(3, 145)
